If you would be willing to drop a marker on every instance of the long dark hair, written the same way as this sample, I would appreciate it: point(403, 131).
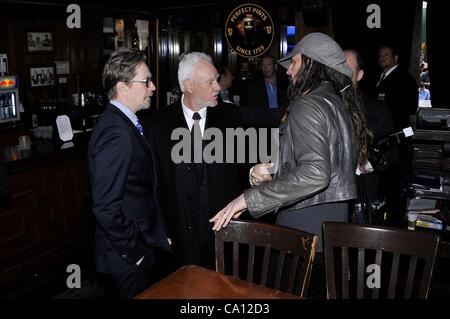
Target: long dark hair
point(311, 75)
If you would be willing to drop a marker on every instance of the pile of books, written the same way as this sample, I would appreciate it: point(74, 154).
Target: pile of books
point(424, 208)
point(427, 221)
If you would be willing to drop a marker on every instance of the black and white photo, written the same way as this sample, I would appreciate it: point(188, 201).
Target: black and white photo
point(39, 41)
point(42, 76)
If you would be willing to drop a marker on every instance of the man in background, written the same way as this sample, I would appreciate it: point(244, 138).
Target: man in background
point(397, 89)
point(269, 90)
point(225, 81)
point(379, 121)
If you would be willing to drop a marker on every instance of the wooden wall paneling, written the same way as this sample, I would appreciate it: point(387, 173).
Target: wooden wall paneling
point(44, 228)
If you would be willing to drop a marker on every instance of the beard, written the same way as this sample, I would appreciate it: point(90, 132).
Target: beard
point(292, 89)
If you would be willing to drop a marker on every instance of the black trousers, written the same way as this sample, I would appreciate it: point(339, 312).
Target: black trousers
point(133, 279)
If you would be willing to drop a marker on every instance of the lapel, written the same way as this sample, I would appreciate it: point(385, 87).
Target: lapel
point(132, 127)
point(178, 119)
point(262, 85)
point(210, 117)
point(142, 140)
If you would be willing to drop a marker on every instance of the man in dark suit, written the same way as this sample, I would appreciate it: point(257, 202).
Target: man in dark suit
point(225, 81)
point(130, 232)
point(268, 94)
point(269, 90)
point(193, 191)
point(397, 89)
point(379, 121)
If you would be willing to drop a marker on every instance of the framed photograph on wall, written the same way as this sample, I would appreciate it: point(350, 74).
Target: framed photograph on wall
point(42, 76)
point(39, 41)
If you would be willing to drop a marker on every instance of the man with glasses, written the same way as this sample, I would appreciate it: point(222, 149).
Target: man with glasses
point(130, 236)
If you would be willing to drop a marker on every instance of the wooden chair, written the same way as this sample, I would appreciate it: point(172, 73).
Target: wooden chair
point(408, 260)
point(287, 254)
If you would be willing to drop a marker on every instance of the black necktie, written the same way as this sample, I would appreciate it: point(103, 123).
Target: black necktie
point(196, 139)
point(383, 75)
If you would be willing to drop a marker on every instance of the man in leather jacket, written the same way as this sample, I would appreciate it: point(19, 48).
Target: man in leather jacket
point(322, 140)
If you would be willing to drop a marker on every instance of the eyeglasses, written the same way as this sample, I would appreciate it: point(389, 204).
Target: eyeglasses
point(147, 81)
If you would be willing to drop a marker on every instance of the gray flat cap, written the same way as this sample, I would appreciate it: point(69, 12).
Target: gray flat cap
point(321, 48)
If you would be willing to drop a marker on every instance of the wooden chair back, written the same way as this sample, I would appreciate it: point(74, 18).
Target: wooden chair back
point(287, 255)
point(403, 259)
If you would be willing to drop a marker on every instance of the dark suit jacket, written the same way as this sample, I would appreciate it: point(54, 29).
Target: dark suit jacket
point(257, 93)
point(379, 117)
point(257, 117)
point(379, 121)
point(401, 96)
point(191, 234)
point(124, 193)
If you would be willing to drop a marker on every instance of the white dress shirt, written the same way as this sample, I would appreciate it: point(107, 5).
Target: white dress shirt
point(188, 113)
point(385, 74)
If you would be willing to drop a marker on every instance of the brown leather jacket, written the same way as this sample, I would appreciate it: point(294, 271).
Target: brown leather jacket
point(317, 159)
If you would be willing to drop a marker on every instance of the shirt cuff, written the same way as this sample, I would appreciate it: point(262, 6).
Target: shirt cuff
point(250, 175)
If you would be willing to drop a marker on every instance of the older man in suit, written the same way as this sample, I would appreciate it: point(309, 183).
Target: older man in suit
point(192, 191)
point(130, 232)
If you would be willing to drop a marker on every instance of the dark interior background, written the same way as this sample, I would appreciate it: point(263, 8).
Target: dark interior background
point(83, 48)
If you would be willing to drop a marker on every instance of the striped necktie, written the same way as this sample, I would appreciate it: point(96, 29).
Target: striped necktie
point(140, 127)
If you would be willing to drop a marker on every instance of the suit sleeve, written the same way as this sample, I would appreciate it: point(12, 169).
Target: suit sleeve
point(312, 172)
point(110, 166)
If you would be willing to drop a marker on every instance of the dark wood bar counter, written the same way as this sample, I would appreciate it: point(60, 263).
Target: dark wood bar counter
point(45, 152)
point(43, 227)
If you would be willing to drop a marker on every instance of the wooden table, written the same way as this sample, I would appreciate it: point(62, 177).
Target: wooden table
point(194, 282)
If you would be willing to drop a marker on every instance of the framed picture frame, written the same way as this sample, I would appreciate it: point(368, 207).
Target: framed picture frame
point(39, 41)
point(42, 76)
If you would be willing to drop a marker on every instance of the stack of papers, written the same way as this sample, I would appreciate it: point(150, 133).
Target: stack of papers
point(423, 206)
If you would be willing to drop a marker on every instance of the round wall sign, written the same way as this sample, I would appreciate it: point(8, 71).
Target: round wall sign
point(249, 30)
